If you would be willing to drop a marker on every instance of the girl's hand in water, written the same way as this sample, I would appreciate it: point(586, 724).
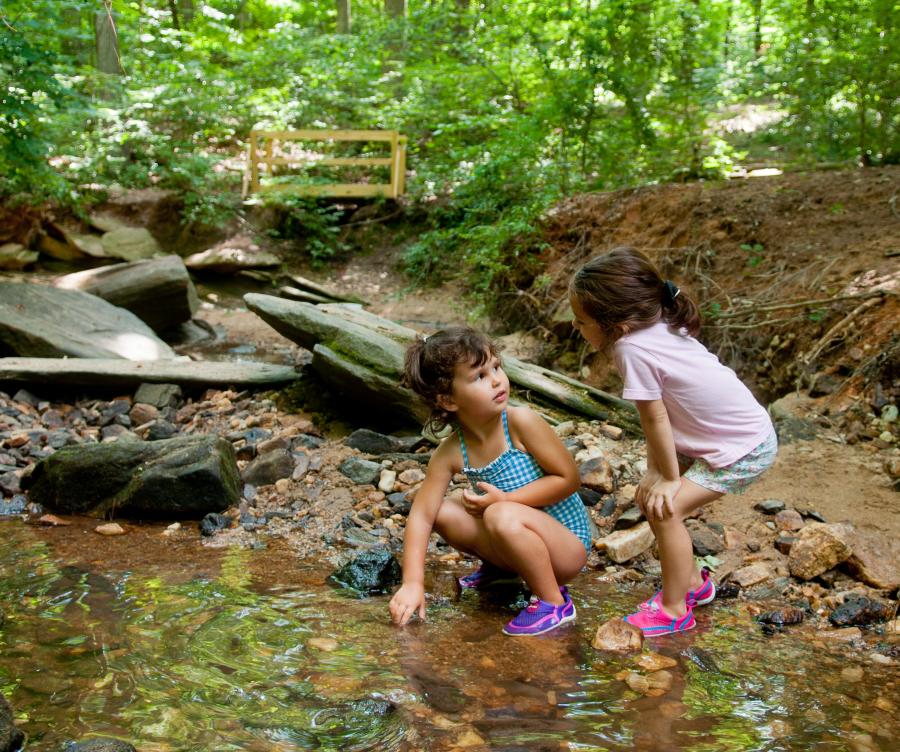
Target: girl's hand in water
point(658, 501)
point(409, 598)
point(476, 503)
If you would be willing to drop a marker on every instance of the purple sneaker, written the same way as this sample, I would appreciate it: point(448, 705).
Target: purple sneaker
point(539, 617)
point(485, 576)
point(704, 594)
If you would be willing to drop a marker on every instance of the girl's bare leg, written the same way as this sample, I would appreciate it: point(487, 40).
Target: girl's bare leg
point(541, 549)
point(676, 551)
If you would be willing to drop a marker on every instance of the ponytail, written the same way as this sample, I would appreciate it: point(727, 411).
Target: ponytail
point(622, 291)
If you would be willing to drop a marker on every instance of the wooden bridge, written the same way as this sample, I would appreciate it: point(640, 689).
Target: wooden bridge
point(271, 149)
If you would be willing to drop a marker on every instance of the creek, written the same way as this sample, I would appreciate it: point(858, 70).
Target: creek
point(174, 646)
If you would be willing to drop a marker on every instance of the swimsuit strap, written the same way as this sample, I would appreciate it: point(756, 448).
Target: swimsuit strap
point(509, 444)
point(462, 446)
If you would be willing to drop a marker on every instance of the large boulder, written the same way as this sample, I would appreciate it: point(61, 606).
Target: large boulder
point(187, 476)
point(159, 291)
point(45, 322)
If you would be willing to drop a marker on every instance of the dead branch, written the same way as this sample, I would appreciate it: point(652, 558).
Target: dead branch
point(837, 328)
point(812, 303)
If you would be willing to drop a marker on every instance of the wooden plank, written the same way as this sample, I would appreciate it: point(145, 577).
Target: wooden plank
point(341, 189)
point(254, 165)
point(371, 161)
point(327, 135)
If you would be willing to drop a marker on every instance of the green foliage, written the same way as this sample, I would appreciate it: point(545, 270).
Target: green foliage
point(754, 253)
point(508, 106)
point(313, 225)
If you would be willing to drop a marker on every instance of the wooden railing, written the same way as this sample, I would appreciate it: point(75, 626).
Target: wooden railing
point(267, 151)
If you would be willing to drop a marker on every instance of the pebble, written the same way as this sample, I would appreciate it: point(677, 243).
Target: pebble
point(110, 528)
point(325, 644)
point(852, 674)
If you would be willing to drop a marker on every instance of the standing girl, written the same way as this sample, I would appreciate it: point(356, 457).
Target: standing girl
point(526, 518)
point(706, 434)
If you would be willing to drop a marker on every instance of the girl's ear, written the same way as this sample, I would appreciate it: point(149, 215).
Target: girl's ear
point(446, 403)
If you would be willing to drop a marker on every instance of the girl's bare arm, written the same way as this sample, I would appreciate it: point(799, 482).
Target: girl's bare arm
point(424, 510)
point(660, 442)
point(541, 442)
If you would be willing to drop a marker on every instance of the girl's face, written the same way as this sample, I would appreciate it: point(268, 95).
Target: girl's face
point(478, 391)
point(586, 326)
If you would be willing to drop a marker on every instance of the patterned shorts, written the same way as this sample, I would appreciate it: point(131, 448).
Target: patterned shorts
point(736, 477)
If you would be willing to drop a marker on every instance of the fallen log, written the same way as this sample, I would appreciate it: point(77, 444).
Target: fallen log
point(110, 372)
point(358, 338)
point(158, 291)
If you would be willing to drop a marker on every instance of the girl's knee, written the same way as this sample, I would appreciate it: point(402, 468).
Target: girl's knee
point(502, 517)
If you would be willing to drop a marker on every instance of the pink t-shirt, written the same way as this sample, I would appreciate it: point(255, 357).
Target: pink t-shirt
point(713, 415)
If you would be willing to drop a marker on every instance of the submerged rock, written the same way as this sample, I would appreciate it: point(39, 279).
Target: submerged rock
point(372, 571)
point(11, 738)
point(99, 745)
point(185, 476)
point(618, 636)
point(858, 610)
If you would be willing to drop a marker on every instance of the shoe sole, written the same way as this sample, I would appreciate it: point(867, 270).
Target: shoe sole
point(564, 620)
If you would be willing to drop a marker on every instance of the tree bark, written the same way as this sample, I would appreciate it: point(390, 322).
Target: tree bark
point(395, 8)
point(173, 9)
point(107, 38)
point(344, 22)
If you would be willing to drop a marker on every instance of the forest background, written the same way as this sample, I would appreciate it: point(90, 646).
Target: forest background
point(508, 106)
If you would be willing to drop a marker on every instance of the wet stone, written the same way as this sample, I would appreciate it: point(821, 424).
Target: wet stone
point(213, 522)
point(618, 636)
point(16, 505)
point(372, 571)
point(859, 610)
point(782, 616)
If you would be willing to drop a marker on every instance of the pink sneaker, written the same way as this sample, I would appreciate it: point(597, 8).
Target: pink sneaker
point(656, 622)
point(704, 594)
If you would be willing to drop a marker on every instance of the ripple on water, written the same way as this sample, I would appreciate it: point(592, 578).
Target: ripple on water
point(238, 660)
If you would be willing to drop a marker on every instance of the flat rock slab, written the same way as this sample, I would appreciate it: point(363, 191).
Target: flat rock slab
point(187, 476)
point(45, 322)
point(229, 260)
point(107, 372)
point(130, 244)
point(159, 291)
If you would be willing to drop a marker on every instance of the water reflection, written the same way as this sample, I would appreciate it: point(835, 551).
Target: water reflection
point(250, 658)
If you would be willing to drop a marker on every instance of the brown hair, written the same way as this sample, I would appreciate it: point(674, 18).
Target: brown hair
point(430, 364)
point(622, 291)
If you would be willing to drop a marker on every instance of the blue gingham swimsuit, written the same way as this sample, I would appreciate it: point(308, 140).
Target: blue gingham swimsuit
point(514, 469)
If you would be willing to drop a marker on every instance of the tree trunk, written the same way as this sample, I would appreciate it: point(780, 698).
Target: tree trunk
point(344, 22)
point(757, 26)
point(107, 38)
point(173, 9)
point(395, 8)
point(362, 355)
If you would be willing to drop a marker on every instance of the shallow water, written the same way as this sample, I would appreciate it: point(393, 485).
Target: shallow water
point(175, 647)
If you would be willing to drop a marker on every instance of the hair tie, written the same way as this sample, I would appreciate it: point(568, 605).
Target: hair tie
point(670, 292)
